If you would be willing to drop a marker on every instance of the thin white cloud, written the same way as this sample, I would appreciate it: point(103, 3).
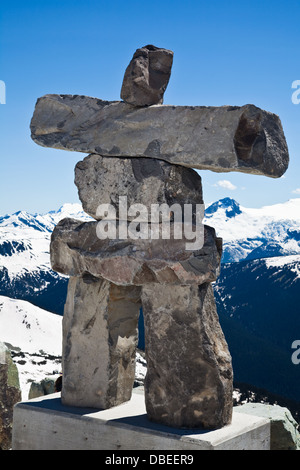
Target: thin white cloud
point(296, 191)
point(225, 184)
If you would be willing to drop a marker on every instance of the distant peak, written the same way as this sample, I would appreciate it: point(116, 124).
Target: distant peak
point(231, 207)
point(68, 206)
point(21, 213)
point(69, 209)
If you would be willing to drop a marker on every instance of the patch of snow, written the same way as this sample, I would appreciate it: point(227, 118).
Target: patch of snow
point(281, 261)
point(35, 338)
point(292, 262)
point(30, 328)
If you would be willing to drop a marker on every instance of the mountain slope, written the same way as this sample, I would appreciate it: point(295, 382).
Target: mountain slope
point(255, 233)
point(34, 337)
point(25, 271)
point(29, 328)
point(257, 302)
point(266, 295)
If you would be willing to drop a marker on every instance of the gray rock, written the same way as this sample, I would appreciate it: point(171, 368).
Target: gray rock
point(284, 429)
point(45, 387)
point(147, 76)
point(189, 372)
point(227, 138)
point(100, 333)
point(76, 249)
point(10, 394)
point(102, 180)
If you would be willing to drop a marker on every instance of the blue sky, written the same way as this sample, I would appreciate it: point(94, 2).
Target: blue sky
point(225, 52)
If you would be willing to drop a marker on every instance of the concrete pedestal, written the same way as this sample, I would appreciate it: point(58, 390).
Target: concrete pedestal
point(45, 424)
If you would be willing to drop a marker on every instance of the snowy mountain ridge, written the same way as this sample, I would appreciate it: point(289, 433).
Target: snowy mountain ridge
point(270, 232)
point(25, 238)
point(248, 233)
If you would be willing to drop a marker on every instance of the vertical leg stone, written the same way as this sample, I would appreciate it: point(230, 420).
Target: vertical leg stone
point(189, 376)
point(100, 333)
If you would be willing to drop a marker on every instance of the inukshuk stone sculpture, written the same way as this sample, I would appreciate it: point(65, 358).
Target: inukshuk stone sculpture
point(143, 152)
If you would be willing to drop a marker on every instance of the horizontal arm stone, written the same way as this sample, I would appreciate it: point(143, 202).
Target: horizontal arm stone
point(76, 250)
point(227, 138)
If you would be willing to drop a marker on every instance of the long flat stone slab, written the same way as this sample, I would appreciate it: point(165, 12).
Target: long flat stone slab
point(226, 138)
point(45, 424)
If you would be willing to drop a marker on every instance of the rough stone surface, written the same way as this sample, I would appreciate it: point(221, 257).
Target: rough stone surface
point(147, 76)
point(44, 387)
point(147, 181)
point(284, 429)
point(100, 334)
point(221, 139)
point(189, 372)
point(10, 394)
point(76, 249)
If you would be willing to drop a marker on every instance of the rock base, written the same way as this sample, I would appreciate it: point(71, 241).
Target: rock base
point(45, 424)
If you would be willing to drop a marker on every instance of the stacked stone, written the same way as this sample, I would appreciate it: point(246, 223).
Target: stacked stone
point(145, 152)
point(187, 356)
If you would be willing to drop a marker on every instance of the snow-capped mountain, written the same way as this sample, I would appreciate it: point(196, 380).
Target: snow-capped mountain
point(258, 290)
point(256, 233)
point(25, 238)
point(25, 271)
